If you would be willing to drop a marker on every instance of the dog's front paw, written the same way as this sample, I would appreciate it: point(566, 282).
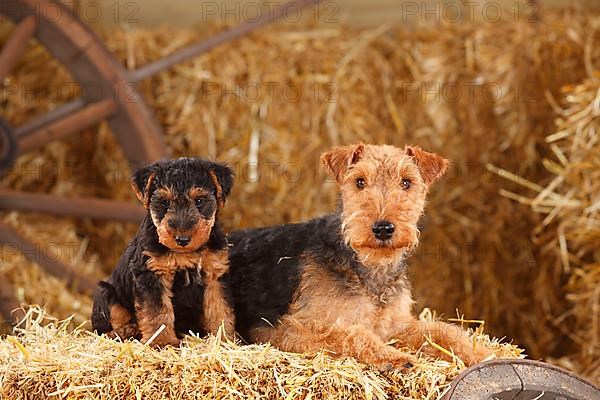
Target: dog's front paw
point(162, 341)
point(128, 331)
point(396, 360)
point(474, 355)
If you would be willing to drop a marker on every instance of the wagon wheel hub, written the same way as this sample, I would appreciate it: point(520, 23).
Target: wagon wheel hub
point(8, 147)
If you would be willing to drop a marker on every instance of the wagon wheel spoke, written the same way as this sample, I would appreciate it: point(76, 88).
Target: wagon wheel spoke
point(48, 262)
point(210, 43)
point(62, 122)
point(71, 207)
point(16, 44)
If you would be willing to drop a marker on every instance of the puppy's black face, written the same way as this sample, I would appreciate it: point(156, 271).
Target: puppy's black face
point(183, 220)
point(183, 197)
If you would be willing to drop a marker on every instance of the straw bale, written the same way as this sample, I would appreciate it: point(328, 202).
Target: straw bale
point(569, 234)
point(55, 359)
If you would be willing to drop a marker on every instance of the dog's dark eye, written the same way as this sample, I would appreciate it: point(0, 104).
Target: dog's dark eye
point(164, 203)
point(199, 203)
point(406, 184)
point(360, 183)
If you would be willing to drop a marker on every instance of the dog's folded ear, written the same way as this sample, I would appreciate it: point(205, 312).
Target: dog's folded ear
point(222, 177)
point(431, 166)
point(141, 183)
point(337, 160)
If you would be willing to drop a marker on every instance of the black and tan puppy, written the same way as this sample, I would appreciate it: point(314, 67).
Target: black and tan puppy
point(340, 282)
point(172, 272)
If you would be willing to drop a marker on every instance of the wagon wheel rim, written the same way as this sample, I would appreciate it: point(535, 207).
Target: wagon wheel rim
point(92, 65)
point(508, 379)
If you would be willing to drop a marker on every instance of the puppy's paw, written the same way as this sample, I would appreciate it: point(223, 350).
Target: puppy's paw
point(162, 341)
point(129, 331)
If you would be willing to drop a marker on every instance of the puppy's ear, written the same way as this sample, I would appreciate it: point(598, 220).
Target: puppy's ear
point(431, 166)
point(222, 177)
point(141, 183)
point(337, 160)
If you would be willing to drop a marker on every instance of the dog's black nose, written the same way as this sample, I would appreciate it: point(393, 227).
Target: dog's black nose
point(383, 230)
point(183, 240)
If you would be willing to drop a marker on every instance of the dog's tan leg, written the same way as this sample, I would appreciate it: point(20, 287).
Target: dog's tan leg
point(413, 334)
point(216, 308)
point(352, 341)
point(151, 315)
point(122, 324)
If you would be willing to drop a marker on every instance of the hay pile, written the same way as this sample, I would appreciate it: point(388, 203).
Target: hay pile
point(481, 93)
point(569, 234)
point(50, 359)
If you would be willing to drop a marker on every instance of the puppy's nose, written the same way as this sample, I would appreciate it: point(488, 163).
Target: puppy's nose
point(383, 230)
point(183, 240)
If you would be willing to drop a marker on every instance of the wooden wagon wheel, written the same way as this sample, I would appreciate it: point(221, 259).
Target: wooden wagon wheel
point(82, 52)
point(512, 379)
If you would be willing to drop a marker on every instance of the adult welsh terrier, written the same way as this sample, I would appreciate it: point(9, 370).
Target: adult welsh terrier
point(340, 282)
